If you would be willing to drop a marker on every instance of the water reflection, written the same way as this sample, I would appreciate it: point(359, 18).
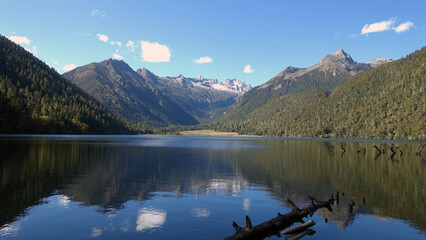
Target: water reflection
point(150, 218)
point(201, 212)
point(96, 232)
point(117, 175)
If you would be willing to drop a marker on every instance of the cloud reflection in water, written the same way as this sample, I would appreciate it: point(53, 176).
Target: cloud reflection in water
point(10, 229)
point(150, 218)
point(201, 212)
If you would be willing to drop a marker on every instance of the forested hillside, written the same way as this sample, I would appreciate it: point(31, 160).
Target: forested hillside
point(386, 102)
point(36, 99)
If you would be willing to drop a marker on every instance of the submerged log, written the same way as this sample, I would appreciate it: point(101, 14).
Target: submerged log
point(280, 222)
point(299, 228)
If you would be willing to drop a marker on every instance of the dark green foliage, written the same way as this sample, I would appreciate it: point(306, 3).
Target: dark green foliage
point(386, 102)
point(35, 99)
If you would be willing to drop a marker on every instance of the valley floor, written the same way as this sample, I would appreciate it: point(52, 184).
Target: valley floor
point(212, 133)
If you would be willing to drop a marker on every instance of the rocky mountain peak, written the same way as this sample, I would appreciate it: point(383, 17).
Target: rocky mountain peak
point(340, 52)
point(237, 85)
point(339, 57)
point(379, 61)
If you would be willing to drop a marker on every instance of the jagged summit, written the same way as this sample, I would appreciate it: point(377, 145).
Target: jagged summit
point(336, 64)
point(235, 86)
point(379, 61)
point(113, 65)
point(338, 57)
point(232, 86)
point(340, 52)
point(112, 61)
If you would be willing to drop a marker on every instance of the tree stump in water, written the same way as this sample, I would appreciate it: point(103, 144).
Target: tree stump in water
point(280, 222)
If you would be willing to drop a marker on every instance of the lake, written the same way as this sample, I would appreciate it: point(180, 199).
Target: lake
point(177, 187)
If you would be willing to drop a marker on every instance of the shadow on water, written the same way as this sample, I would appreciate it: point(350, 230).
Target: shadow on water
point(108, 175)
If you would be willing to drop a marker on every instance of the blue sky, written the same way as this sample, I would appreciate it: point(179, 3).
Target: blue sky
point(215, 39)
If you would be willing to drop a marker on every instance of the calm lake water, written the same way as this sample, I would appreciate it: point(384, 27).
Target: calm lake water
point(175, 187)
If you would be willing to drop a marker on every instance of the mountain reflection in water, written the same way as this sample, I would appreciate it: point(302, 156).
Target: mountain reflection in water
point(153, 185)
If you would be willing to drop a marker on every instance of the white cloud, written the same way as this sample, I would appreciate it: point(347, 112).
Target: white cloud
point(378, 27)
point(19, 40)
point(96, 13)
point(69, 67)
point(130, 45)
point(404, 27)
point(248, 69)
point(117, 56)
point(56, 62)
point(102, 37)
point(34, 50)
point(386, 26)
point(155, 52)
point(118, 43)
point(202, 60)
point(149, 218)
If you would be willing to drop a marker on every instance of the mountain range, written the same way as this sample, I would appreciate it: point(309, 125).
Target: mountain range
point(205, 99)
point(386, 102)
point(337, 97)
point(331, 71)
point(144, 98)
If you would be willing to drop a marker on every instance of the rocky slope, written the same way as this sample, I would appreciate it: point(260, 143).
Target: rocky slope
point(204, 98)
point(122, 90)
point(145, 98)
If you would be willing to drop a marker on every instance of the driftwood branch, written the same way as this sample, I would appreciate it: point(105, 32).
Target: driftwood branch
point(299, 228)
point(280, 222)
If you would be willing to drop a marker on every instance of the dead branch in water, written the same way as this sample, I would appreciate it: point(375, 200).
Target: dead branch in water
point(280, 222)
